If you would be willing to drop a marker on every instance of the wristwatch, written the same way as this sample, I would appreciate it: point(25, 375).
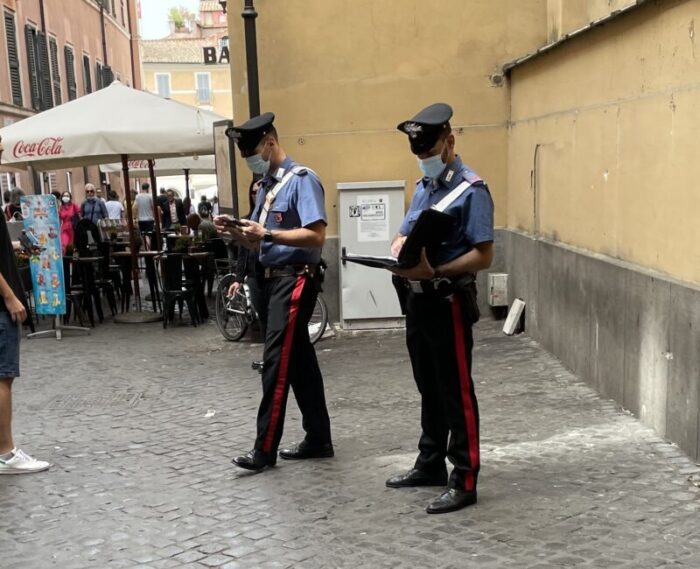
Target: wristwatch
point(268, 236)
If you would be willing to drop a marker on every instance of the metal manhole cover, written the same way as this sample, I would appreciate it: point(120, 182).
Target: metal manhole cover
point(73, 401)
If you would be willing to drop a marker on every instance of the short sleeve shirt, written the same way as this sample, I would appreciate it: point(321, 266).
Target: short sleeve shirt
point(473, 210)
point(144, 205)
point(300, 203)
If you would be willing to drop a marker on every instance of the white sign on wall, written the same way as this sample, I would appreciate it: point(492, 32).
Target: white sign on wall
point(373, 221)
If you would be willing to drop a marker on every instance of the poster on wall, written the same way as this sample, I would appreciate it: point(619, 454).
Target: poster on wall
point(373, 218)
point(42, 226)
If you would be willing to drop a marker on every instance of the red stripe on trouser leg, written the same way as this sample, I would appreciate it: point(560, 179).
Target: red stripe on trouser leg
point(465, 384)
point(283, 369)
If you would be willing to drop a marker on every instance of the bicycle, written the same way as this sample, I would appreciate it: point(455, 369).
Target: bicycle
point(234, 315)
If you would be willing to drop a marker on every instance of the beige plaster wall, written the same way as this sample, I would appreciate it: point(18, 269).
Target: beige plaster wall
point(565, 16)
point(340, 76)
point(603, 141)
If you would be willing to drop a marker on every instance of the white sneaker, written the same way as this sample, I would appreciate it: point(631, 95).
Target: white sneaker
point(22, 463)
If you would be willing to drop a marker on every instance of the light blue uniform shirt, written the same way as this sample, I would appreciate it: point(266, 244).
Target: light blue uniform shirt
point(300, 203)
point(473, 209)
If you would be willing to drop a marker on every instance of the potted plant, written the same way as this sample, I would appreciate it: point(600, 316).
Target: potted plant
point(181, 244)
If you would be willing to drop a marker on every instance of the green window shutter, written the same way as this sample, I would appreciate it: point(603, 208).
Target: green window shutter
point(13, 59)
point(70, 73)
point(29, 34)
point(55, 71)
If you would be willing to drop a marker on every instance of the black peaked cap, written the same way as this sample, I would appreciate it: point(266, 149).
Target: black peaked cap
point(249, 134)
point(425, 128)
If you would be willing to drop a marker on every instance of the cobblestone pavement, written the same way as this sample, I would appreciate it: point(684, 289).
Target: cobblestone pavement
point(141, 424)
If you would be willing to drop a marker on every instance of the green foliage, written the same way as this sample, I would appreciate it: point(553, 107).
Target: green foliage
point(179, 15)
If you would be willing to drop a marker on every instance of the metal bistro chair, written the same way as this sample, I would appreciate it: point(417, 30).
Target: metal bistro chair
point(174, 290)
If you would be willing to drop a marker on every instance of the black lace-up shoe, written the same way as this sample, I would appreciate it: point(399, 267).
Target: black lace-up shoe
point(415, 477)
point(451, 500)
point(256, 460)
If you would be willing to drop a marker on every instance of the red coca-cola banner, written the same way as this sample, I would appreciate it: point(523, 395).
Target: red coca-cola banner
point(49, 146)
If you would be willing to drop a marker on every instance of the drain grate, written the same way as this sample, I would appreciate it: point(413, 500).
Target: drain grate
point(76, 401)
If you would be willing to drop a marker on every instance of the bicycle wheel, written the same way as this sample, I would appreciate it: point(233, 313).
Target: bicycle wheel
point(319, 320)
point(231, 312)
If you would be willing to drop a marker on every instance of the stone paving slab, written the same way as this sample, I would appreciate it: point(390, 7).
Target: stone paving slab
point(141, 424)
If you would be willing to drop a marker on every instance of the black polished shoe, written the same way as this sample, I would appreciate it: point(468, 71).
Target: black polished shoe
point(415, 477)
point(258, 365)
point(304, 450)
point(451, 500)
point(255, 460)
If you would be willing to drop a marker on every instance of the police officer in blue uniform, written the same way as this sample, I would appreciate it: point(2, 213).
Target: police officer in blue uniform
point(440, 304)
point(287, 231)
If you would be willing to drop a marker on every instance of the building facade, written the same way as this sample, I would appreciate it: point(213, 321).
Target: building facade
point(602, 239)
point(54, 52)
point(175, 67)
point(341, 75)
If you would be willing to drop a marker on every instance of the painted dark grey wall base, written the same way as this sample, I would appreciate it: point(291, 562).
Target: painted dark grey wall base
point(632, 334)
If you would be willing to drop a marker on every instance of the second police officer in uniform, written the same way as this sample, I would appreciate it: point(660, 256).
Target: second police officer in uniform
point(440, 303)
point(288, 230)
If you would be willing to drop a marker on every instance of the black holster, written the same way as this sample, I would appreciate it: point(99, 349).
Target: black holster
point(401, 291)
point(466, 286)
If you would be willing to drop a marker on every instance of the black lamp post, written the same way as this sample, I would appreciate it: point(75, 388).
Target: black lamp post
point(223, 5)
point(251, 51)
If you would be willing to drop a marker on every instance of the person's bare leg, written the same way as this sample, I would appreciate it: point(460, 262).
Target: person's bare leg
point(6, 442)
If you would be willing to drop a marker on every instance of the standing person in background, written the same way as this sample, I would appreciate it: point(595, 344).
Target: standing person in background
point(144, 213)
point(215, 206)
point(15, 209)
point(6, 198)
point(100, 194)
point(69, 215)
point(204, 207)
point(173, 211)
point(92, 208)
point(115, 209)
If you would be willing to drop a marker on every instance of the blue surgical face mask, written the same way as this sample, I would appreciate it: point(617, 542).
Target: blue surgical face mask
point(432, 167)
point(257, 164)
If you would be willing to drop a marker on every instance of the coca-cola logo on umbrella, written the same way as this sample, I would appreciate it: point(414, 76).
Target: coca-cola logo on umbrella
point(49, 146)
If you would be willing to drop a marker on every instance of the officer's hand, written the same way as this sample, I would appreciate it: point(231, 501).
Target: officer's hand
point(252, 230)
point(233, 289)
point(423, 271)
point(397, 245)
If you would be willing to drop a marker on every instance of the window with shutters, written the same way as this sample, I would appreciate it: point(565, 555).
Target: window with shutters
point(13, 58)
point(114, 10)
point(98, 76)
point(39, 69)
point(70, 72)
point(203, 85)
point(163, 84)
point(87, 80)
point(55, 71)
point(33, 66)
point(107, 76)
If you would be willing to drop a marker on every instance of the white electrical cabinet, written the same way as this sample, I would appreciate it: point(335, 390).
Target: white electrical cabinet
point(369, 216)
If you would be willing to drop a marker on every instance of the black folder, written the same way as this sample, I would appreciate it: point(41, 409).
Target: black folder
point(431, 230)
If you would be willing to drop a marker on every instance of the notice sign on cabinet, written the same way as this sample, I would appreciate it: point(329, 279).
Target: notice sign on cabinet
point(373, 222)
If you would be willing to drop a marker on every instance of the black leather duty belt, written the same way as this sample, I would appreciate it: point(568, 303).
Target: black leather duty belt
point(442, 287)
point(288, 271)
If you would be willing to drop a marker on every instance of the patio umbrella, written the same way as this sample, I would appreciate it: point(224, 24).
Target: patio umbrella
point(166, 166)
point(114, 124)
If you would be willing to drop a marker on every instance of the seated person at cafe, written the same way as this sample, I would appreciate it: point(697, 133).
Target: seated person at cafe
point(207, 229)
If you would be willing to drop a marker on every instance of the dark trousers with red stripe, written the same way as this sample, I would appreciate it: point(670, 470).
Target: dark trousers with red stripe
point(290, 360)
point(440, 342)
